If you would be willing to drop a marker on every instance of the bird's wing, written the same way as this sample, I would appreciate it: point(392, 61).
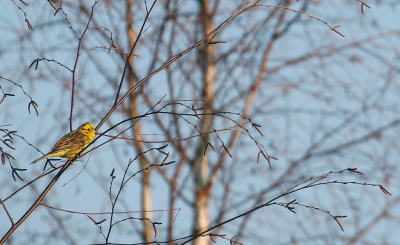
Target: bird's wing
point(68, 141)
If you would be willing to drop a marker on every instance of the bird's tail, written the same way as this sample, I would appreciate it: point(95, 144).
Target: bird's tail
point(43, 157)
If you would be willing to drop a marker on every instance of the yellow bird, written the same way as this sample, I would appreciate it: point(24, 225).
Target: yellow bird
point(72, 143)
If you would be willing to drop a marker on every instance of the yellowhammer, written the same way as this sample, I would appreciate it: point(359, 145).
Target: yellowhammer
point(72, 143)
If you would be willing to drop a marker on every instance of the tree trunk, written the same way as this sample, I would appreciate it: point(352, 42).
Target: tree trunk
point(200, 163)
point(146, 194)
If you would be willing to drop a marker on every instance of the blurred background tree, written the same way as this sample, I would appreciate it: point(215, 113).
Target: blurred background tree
point(323, 102)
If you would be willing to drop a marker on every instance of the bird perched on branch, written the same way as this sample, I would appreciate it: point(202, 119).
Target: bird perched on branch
point(72, 143)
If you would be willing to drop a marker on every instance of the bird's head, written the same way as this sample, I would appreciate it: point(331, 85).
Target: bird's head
point(87, 129)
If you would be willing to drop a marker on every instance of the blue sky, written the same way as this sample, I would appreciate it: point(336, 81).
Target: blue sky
point(88, 191)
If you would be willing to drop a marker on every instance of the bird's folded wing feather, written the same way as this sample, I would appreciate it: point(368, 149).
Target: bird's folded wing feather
point(67, 142)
